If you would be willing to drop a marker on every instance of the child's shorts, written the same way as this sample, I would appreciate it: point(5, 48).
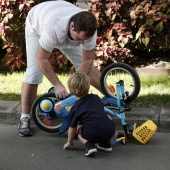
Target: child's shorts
point(99, 135)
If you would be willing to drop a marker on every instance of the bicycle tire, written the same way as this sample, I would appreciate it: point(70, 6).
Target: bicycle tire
point(38, 115)
point(120, 71)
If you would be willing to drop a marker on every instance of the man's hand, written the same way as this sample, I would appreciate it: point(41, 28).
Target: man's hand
point(60, 91)
point(46, 68)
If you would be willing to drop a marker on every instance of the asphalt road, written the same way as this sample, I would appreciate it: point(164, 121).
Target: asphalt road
point(44, 151)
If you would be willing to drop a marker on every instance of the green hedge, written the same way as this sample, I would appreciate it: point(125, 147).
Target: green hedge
point(127, 31)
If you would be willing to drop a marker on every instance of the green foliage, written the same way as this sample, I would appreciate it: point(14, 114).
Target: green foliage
point(12, 35)
point(60, 63)
point(12, 25)
point(128, 25)
point(124, 26)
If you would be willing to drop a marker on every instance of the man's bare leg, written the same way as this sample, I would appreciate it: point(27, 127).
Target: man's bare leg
point(28, 95)
point(95, 78)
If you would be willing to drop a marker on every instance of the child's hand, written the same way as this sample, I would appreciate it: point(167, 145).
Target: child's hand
point(67, 145)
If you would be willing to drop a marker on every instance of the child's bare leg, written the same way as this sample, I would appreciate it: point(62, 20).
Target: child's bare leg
point(79, 135)
point(90, 147)
point(81, 139)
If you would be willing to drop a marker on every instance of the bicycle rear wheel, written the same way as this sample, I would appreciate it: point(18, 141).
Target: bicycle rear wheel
point(115, 72)
point(45, 121)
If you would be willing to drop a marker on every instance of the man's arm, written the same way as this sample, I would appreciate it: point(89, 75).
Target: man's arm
point(88, 69)
point(46, 68)
point(87, 61)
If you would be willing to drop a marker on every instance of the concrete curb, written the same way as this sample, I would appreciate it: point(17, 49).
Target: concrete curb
point(10, 114)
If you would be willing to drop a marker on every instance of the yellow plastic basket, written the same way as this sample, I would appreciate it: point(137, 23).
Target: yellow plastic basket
point(144, 132)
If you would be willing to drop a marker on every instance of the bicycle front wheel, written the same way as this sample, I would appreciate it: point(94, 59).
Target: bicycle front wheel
point(115, 72)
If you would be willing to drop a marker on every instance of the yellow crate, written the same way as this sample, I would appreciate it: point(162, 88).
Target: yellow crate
point(144, 132)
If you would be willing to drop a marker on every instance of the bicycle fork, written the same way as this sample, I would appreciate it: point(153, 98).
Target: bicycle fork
point(120, 95)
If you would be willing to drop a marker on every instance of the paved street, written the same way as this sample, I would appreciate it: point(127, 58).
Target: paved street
point(44, 151)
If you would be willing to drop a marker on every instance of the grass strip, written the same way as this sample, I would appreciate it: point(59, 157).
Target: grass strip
point(155, 90)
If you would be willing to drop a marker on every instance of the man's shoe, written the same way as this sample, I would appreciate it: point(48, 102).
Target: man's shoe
point(105, 147)
point(24, 127)
point(90, 149)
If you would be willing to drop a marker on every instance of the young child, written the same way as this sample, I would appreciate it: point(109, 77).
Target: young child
point(87, 118)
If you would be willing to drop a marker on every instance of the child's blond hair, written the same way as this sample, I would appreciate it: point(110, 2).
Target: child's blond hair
point(79, 84)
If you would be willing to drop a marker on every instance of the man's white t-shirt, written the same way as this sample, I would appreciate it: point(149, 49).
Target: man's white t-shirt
point(50, 21)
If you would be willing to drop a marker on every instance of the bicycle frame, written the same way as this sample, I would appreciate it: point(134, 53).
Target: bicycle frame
point(120, 95)
point(60, 108)
point(47, 111)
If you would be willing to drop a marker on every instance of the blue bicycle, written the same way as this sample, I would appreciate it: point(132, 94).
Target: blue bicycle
point(120, 84)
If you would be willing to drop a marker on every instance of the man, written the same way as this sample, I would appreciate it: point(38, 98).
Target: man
point(62, 25)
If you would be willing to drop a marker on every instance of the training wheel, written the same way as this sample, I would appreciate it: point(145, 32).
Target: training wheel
point(46, 105)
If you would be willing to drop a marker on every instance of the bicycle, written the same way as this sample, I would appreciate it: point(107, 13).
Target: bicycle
point(50, 113)
point(115, 72)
